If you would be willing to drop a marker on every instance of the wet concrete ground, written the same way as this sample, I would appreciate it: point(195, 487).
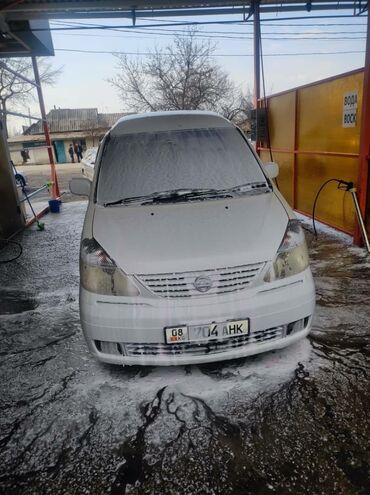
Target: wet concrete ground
point(38, 175)
point(294, 421)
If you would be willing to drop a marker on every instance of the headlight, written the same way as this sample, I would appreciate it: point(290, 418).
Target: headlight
point(292, 255)
point(100, 274)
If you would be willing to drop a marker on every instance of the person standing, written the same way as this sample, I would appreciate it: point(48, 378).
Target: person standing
point(75, 148)
point(79, 152)
point(71, 153)
point(24, 156)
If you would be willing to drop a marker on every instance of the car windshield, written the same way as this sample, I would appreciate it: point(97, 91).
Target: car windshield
point(146, 164)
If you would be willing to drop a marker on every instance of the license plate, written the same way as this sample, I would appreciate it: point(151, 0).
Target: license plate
point(211, 331)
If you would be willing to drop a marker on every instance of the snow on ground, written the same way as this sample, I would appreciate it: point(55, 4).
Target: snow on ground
point(324, 229)
point(289, 421)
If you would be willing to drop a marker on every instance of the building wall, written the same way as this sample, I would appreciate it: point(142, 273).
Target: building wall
point(311, 145)
point(37, 156)
point(40, 156)
point(15, 155)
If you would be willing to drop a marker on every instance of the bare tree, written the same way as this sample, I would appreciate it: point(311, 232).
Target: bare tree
point(183, 76)
point(94, 129)
point(237, 107)
point(13, 91)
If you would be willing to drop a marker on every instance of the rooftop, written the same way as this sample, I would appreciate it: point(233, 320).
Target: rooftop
point(74, 119)
point(168, 120)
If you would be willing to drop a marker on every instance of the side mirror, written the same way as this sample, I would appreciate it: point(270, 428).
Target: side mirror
point(80, 186)
point(271, 169)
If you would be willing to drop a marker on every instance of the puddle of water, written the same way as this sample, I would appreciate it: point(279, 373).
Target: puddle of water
point(14, 302)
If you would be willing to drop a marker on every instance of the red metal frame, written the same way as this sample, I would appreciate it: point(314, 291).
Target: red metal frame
point(55, 193)
point(317, 83)
point(296, 152)
point(364, 151)
point(296, 120)
point(38, 215)
point(310, 152)
point(363, 170)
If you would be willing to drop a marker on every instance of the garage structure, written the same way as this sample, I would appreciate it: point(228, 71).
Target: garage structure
point(24, 32)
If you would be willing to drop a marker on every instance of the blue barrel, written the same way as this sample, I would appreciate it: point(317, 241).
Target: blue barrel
point(54, 205)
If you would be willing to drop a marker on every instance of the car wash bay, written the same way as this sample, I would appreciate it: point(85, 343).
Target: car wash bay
point(290, 421)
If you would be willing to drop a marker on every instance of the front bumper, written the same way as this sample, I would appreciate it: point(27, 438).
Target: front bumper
point(130, 331)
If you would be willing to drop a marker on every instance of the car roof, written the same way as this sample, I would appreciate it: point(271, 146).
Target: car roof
point(168, 121)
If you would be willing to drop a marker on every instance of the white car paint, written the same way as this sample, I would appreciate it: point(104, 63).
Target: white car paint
point(173, 227)
point(88, 162)
point(163, 248)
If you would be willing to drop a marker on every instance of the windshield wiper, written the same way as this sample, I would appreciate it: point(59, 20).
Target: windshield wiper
point(172, 196)
point(182, 195)
point(124, 201)
point(253, 187)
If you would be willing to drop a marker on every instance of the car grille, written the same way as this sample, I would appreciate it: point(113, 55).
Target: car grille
point(223, 280)
point(191, 348)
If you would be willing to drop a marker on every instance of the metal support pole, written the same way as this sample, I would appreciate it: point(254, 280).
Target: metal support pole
point(55, 187)
point(295, 157)
point(360, 220)
point(363, 174)
point(17, 114)
point(34, 193)
point(256, 53)
point(17, 74)
point(257, 61)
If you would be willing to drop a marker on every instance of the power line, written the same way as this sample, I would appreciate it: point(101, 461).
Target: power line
point(319, 24)
point(294, 38)
point(242, 24)
point(158, 30)
point(235, 36)
point(169, 32)
point(278, 37)
point(214, 55)
point(278, 19)
point(175, 22)
point(184, 23)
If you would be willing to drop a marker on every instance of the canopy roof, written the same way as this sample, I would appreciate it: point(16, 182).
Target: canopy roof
point(21, 31)
point(28, 9)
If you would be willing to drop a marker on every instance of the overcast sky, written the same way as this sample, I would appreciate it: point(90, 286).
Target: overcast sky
point(83, 82)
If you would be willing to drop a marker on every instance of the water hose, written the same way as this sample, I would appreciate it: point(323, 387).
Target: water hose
point(345, 186)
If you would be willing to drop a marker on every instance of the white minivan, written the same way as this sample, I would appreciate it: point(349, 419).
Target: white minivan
point(189, 253)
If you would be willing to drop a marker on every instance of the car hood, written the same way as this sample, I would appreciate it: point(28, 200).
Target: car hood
point(191, 236)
